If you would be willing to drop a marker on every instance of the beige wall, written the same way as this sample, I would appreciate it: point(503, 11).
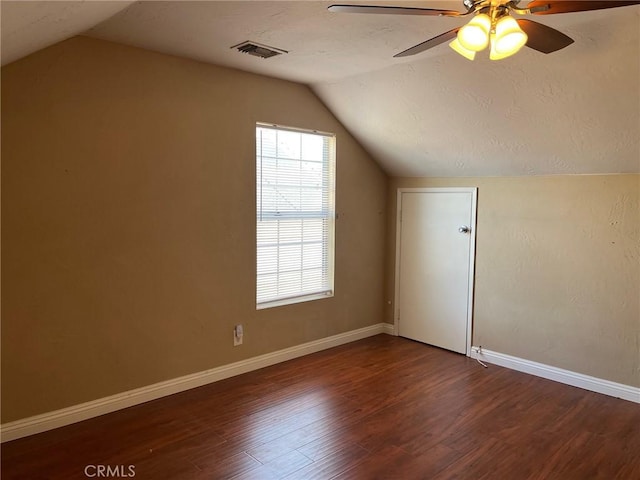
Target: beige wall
point(128, 222)
point(557, 269)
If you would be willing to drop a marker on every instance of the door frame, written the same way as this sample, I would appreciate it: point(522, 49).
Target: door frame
point(472, 252)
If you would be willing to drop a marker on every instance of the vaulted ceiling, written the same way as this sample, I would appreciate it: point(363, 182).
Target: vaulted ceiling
point(434, 114)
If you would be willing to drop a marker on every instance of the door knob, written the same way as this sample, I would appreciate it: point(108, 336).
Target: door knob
point(464, 229)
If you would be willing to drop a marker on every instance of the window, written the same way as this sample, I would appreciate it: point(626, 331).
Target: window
point(295, 195)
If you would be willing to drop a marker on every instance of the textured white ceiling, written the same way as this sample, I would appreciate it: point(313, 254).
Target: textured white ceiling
point(28, 26)
point(573, 111)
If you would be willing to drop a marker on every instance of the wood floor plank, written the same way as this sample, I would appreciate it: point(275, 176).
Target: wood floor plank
point(383, 408)
point(388, 463)
point(227, 467)
point(278, 467)
point(329, 466)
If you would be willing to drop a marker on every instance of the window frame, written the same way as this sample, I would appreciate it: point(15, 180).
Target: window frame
point(330, 218)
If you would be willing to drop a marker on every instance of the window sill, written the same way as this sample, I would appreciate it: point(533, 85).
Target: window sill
point(290, 301)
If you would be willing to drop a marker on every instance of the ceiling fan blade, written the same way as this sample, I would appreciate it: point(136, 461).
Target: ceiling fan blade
point(543, 38)
point(432, 42)
point(567, 6)
point(392, 10)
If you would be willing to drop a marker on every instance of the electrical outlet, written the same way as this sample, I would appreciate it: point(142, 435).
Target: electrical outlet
point(238, 334)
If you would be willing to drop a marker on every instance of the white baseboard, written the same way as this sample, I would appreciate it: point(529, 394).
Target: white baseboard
point(388, 328)
point(66, 416)
point(567, 377)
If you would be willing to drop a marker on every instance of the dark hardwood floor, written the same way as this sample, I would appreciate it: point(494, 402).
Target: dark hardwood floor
point(380, 408)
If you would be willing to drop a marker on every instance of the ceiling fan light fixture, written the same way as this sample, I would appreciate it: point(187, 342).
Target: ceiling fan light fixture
point(503, 33)
point(465, 52)
point(475, 34)
point(509, 37)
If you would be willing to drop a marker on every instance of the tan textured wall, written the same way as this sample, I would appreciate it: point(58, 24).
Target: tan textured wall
point(128, 220)
point(557, 269)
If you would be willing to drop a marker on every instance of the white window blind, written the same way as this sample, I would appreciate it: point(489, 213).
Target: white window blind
point(295, 215)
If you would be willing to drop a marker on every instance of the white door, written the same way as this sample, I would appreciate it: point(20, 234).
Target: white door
point(435, 258)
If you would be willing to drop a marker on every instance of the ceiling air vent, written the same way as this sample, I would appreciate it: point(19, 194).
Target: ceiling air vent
point(257, 50)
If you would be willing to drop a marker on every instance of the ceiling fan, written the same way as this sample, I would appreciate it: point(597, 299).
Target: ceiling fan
point(493, 26)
